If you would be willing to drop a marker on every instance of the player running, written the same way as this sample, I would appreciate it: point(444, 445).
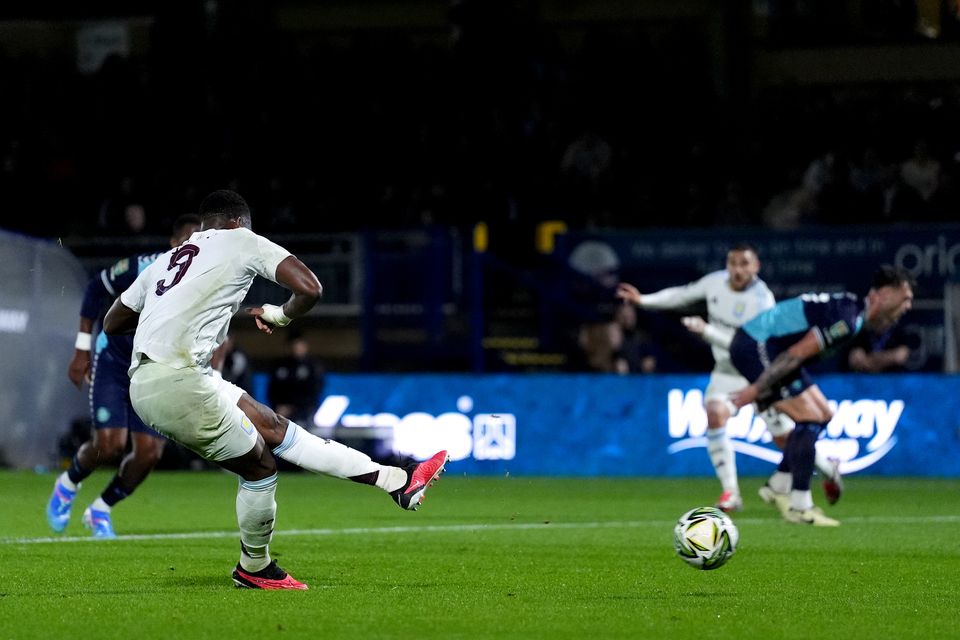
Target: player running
point(771, 351)
point(110, 410)
point(181, 308)
point(733, 296)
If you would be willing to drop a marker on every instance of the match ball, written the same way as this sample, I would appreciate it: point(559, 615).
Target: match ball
point(705, 537)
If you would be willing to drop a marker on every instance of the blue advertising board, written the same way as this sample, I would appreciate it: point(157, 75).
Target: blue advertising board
point(604, 425)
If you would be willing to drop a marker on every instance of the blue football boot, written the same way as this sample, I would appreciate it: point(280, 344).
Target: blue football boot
point(99, 523)
point(58, 509)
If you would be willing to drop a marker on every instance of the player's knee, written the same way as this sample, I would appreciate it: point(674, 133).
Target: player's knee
point(151, 455)
point(274, 427)
point(108, 445)
point(717, 415)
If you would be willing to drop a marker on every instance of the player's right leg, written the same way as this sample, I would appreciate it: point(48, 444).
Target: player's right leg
point(143, 456)
point(288, 440)
point(719, 447)
point(186, 406)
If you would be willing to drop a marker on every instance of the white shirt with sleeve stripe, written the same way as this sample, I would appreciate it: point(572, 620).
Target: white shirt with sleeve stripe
point(726, 308)
point(187, 297)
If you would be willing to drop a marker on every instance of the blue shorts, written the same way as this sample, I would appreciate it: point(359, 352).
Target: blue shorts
point(751, 358)
point(110, 406)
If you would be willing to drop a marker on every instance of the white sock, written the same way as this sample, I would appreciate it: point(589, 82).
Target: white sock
point(781, 481)
point(723, 459)
point(391, 478)
point(256, 513)
point(822, 462)
point(100, 505)
point(67, 482)
point(320, 455)
point(801, 500)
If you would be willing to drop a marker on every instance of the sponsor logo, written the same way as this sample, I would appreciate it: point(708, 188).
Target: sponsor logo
point(861, 433)
point(119, 268)
point(838, 330)
point(103, 415)
point(937, 259)
point(484, 436)
point(739, 309)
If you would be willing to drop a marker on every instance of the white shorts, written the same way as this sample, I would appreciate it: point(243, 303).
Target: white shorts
point(721, 385)
point(193, 408)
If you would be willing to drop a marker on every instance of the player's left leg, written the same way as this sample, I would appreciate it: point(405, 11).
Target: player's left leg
point(296, 445)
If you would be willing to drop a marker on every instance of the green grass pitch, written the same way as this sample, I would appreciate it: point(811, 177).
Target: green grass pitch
point(484, 558)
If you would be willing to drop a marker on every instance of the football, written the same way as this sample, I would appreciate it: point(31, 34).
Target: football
point(705, 537)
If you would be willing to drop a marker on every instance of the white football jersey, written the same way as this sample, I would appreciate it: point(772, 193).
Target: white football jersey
point(726, 308)
point(187, 297)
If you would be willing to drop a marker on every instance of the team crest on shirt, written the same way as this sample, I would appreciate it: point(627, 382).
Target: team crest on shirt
point(119, 268)
point(247, 425)
point(739, 309)
point(838, 330)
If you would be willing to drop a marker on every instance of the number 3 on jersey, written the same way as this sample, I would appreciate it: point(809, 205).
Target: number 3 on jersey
point(180, 260)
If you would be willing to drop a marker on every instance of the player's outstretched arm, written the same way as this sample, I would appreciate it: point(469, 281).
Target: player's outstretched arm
point(306, 288)
point(717, 336)
point(120, 319)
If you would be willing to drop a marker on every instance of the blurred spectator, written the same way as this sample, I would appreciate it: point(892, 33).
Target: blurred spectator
point(296, 382)
point(637, 353)
point(897, 201)
point(789, 208)
point(921, 172)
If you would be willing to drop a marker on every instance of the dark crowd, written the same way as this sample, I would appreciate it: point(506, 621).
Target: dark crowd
point(496, 115)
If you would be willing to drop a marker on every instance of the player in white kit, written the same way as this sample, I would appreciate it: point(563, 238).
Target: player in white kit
point(733, 296)
point(181, 307)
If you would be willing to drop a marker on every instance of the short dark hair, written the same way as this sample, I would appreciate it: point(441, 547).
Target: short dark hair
point(888, 275)
point(224, 202)
point(185, 220)
point(743, 246)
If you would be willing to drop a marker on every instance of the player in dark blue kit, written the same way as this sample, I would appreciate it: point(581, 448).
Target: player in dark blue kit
point(771, 349)
point(110, 408)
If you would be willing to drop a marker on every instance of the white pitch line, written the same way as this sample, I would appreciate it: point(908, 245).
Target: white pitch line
point(455, 528)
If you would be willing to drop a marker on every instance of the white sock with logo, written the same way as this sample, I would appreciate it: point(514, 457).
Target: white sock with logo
point(256, 513)
point(320, 455)
point(723, 458)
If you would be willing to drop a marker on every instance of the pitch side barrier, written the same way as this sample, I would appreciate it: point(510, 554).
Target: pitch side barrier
point(604, 425)
point(41, 286)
